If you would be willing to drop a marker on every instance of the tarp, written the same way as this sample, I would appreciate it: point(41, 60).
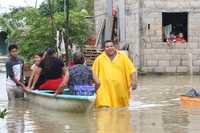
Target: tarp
point(193, 93)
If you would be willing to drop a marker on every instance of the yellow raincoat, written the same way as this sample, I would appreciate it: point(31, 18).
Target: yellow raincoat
point(115, 78)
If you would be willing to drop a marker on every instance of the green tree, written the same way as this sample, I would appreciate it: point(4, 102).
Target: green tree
point(75, 5)
point(31, 28)
point(79, 26)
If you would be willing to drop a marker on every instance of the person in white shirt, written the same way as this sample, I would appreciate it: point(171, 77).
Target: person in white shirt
point(14, 71)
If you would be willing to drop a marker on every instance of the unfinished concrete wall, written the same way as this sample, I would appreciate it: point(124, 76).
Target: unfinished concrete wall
point(146, 46)
point(131, 24)
point(100, 12)
point(157, 55)
point(132, 29)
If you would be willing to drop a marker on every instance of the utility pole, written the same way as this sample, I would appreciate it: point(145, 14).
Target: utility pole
point(140, 47)
point(66, 31)
point(35, 3)
point(51, 18)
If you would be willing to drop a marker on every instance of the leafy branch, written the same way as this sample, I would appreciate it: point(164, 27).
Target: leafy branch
point(3, 113)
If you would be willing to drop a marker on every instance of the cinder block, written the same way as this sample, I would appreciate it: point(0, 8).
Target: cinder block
point(182, 69)
point(174, 62)
point(159, 69)
point(196, 69)
point(148, 69)
point(184, 63)
point(163, 63)
point(170, 69)
point(196, 63)
point(163, 57)
point(152, 63)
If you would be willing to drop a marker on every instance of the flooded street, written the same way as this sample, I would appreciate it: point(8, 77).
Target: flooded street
point(155, 108)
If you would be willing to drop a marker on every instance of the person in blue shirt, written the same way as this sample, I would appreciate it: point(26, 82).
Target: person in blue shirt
point(80, 76)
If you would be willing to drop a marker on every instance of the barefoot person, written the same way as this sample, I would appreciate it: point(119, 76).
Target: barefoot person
point(50, 72)
point(37, 59)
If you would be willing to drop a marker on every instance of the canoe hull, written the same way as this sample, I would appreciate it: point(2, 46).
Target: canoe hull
point(59, 103)
point(188, 101)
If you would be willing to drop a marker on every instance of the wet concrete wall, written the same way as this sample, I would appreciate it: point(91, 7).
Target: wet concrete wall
point(157, 55)
point(146, 44)
point(131, 24)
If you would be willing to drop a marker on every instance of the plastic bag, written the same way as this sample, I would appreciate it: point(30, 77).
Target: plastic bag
point(83, 90)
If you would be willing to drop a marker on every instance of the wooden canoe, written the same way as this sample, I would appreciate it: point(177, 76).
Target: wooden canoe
point(61, 102)
point(189, 101)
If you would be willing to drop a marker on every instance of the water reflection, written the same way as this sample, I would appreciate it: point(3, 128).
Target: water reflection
point(27, 118)
point(114, 121)
point(175, 120)
point(15, 119)
point(41, 120)
point(155, 108)
point(3, 93)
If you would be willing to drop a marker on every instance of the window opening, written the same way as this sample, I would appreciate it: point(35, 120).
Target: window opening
point(175, 27)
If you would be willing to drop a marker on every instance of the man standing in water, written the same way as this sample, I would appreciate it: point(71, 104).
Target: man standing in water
point(117, 75)
point(14, 70)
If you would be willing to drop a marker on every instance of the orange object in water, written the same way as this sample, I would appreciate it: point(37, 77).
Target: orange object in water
point(189, 101)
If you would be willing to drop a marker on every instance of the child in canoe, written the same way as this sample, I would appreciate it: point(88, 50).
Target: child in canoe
point(37, 59)
point(50, 72)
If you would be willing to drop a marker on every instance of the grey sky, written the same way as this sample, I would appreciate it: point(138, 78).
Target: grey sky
point(5, 5)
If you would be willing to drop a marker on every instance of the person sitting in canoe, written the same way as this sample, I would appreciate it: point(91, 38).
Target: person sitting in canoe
point(80, 77)
point(37, 59)
point(50, 72)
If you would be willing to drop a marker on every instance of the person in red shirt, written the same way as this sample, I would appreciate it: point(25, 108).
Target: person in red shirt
point(50, 72)
point(180, 38)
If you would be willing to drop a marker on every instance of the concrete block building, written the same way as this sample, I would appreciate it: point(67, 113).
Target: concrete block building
point(145, 26)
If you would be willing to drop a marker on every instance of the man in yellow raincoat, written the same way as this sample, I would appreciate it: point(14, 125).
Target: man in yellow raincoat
point(117, 75)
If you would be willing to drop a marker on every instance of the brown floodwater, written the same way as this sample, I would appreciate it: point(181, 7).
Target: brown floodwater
point(155, 108)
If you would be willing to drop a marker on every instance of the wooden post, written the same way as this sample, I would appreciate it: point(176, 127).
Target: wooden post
point(140, 48)
point(190, 64)
point(109, 21)
point(52, 19)
point(66, 31)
